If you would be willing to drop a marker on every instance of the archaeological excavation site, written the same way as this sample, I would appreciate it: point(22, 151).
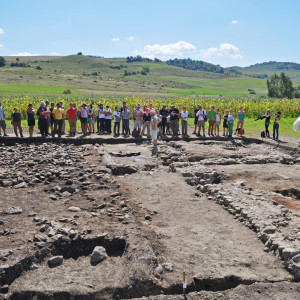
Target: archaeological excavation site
point(200, 219)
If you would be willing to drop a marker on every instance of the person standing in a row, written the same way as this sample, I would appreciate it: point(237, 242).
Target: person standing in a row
point(16, 122)
point(43, 123)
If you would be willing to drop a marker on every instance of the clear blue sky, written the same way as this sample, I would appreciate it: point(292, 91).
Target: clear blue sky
point(225, 32)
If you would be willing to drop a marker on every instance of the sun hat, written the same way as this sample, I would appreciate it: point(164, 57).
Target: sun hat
point(42, 103)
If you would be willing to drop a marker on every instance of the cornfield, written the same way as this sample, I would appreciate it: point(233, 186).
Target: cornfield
point(252, 107)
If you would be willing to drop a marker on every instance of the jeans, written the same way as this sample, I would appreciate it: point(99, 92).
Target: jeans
point(184, 127)
point(125, 123)
point(100, 124)
point(116, 128)
point(163, 125)
point(275, 130)
point(59, 124)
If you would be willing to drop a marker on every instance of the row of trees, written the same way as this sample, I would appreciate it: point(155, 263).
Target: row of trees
point(139, 58)
point(199, 65)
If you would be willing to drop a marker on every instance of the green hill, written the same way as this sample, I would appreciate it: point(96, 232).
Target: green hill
point(120, 76)
point(269, 68)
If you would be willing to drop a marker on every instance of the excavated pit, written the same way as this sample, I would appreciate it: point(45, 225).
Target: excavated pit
point(204, 207)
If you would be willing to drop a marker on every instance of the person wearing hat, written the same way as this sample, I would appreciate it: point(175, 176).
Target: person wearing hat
point(43, 123)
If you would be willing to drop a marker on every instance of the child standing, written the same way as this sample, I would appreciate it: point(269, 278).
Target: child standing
point(241, 119)
point(218, 122)
point(231, 118)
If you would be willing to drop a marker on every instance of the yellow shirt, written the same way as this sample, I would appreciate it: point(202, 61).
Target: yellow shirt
point(58, 113)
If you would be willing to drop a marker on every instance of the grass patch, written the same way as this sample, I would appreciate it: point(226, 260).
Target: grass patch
point(47, 89)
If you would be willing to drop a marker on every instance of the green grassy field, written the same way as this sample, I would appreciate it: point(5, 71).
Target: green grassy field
point(46, 89)
point(105, 76)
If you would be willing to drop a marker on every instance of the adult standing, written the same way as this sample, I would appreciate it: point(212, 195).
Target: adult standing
point(125, 118)
point(30, 119)
point(276, 126)
point(147, 120)
point(84, 118)
point(63, 129)
point(59, 116)
point(138, 116)
point(196, 119)
point(211, 121)
point(201, 114)
point(42, 113)
point(121, 111)
point(164, 114)
point(2, 120)
point(108, 117)
point(72, 116)
point(100, 118)
point(51, 116)
point(184, 121)
point(16, 122)
point(48, 117)
point(174, 120)
point(155, 120)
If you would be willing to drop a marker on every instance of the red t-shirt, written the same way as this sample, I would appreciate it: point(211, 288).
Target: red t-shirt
point(72, 112)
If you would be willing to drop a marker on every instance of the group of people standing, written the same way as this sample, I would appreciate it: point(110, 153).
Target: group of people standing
point(147, 121)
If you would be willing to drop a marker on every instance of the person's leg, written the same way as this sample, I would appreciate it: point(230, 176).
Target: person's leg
point(60, 127)
point(118, 128)
point(277, 131)
point(267, 130)
point(102, 125)
point(163, 125)
point(242, 124)
point(274, 131)
point(115, 126)
point(20, 129)
point(15, 128)
point(230, 127)
point(143, 129)
point(109, 126)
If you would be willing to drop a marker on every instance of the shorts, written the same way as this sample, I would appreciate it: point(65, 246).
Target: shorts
point(201, 123)
point(31, 122)
point(154, 134)
point(240, 121)
point(196, 121)
point(84, 120)
point(3, 124)
point(218, 123)
point(225, 124)
point(138, 124)
point(89, 120)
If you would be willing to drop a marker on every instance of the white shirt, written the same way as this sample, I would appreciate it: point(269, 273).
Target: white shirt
point(2, 113)
point(101, 113)
point(117, 116)
point(83, 113)
point(108, 117)
point(184, 115)
point(200, 114)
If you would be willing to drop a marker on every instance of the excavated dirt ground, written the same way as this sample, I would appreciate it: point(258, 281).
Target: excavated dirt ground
point(224, 212)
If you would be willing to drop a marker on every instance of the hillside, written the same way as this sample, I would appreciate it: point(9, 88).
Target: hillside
point(269, 68)
point(105, 76)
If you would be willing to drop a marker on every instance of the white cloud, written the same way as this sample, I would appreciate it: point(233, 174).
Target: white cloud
point(225, 50)
point(1, 46)
point(24, 54)
point(234, 22)
point(1, 31)
point(168, 50)
point(54, 53)
point(115, 39)
point(130, 38)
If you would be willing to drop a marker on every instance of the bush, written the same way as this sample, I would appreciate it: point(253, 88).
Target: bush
point(38, 68)
point(2, 61)
point(67, 92)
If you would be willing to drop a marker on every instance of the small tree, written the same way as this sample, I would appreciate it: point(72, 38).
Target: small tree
point(79, 53)
point(2, 61)
point(145, 71)
point(66, 92)
point(17, 59)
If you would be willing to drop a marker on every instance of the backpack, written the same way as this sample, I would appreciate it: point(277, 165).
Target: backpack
point(263, 134)
point(241, 131)
point(135, 133)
